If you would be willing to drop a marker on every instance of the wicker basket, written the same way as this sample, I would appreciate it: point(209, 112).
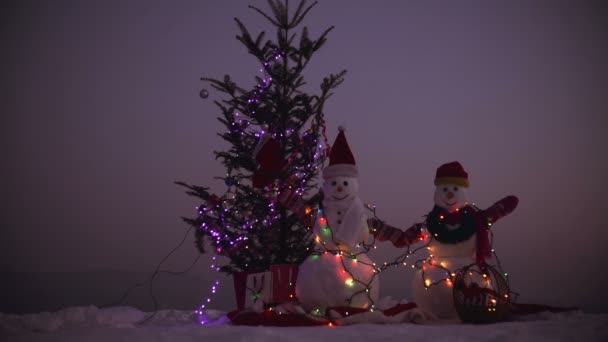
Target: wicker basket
point(481, 294)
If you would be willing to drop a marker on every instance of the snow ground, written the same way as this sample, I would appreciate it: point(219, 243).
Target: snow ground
point(121, 324)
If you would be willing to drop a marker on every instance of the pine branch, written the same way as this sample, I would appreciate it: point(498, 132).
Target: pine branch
point(242, 216)
point(297, 18)
point(271, 20)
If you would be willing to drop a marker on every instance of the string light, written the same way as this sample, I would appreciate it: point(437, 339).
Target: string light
point(227, 220)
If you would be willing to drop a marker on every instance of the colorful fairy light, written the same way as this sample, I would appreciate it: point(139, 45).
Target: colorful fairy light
point(420, 263)
point(225, 220)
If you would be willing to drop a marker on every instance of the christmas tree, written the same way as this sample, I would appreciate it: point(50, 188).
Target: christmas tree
point(275, 131)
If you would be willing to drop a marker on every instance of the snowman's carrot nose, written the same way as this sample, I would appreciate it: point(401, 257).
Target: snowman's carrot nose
point(339, 189)
point(450, 195)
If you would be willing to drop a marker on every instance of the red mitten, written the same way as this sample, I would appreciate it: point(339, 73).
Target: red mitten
point(399, 238)
point(501, 208)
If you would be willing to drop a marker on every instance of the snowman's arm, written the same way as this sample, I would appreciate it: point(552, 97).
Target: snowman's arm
point(294, 202)
point(501, 209)
point(399, 238)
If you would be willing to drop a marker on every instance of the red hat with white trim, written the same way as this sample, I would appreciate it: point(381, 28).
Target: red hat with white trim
point(341, 159)
point(452, 173)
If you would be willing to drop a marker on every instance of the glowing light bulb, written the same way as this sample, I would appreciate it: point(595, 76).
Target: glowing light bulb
point(427, 282)
point(350, 282)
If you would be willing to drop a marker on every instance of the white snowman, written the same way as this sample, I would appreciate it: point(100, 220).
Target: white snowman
point(457, 237)
point(342, 274)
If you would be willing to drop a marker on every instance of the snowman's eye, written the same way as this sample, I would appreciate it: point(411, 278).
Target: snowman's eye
point(455, 188)
point(345, 183)
point(334, 183)
point(445, 189)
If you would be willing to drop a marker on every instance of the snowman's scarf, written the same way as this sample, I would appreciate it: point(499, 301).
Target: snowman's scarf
point(471, 222)
point(349, 230)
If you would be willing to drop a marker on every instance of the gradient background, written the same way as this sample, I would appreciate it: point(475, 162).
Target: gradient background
point(101, 113)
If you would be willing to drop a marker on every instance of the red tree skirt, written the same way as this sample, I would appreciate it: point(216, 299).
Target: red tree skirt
point(335, 315)
point(272, 318)
point(332, 316)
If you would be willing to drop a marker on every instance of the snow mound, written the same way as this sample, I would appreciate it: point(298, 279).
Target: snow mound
point(129, 324)
point(71, 317)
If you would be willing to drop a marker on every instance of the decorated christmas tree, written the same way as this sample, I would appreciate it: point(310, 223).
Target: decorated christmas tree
point(277, 144)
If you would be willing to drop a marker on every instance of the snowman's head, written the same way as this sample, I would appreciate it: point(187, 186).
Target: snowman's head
point(340, 188)
point(450, 196)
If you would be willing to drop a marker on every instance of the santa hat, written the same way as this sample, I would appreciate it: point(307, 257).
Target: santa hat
point(452, 173)
point(341, 160)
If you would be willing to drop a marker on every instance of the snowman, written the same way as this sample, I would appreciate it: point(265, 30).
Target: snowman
point(457, 236)
point(339, 274)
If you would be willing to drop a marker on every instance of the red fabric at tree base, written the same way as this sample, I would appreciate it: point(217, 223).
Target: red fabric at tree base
point(272, 318)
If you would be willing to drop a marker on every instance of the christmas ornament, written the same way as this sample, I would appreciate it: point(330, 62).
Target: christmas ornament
point(340, 274)
point(204, 94)
point(229, 181)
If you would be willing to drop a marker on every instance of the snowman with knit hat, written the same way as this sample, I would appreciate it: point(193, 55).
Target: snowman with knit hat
point(457, 236)
point(339, 273)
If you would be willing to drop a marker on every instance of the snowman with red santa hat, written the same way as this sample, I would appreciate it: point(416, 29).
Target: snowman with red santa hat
point(457, 236)
point(339, 273)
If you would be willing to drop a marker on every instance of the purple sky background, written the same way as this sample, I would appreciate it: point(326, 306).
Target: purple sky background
point(101, 113)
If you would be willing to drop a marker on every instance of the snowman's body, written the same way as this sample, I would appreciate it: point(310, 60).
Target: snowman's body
point(331, 279)
point(436, 301)
point(457, 237)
